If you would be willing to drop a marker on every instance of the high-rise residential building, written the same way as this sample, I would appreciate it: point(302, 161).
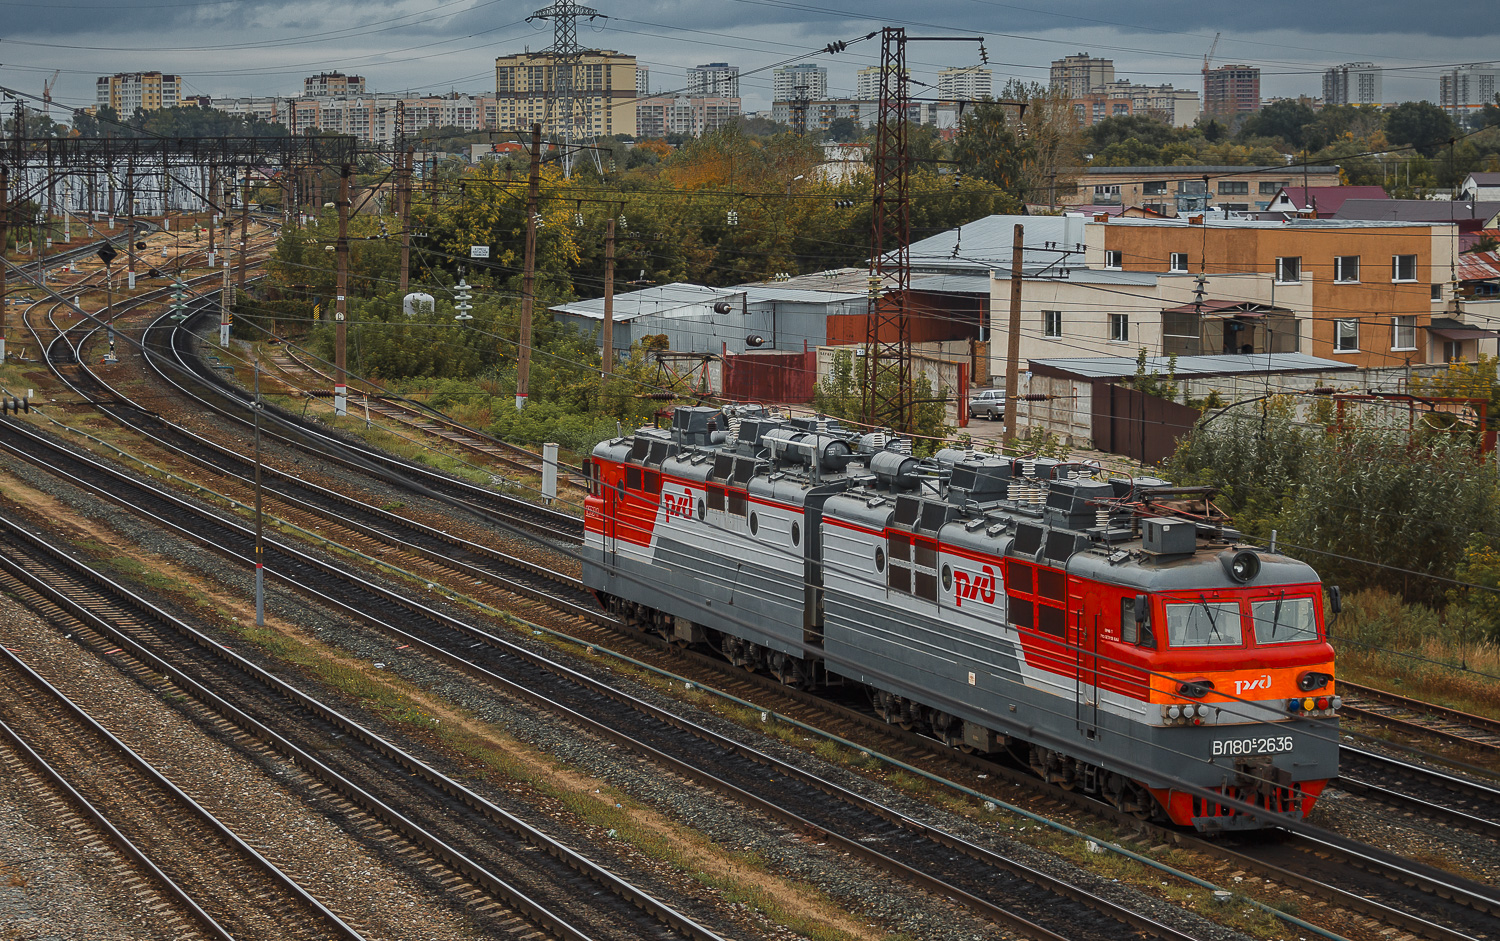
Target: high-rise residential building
point(1467, 88)
point(128, 92)
point(714, 80)
point(1230, 89)
point(603, 80)
point(965, 84)
point(1353, 83)
point(642, 81)
point(786, 81)
point(332, 85)
point(690, 115)
point(867, 83)
point(1077, 75)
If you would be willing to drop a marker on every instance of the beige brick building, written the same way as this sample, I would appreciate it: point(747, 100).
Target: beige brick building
point(604, 80)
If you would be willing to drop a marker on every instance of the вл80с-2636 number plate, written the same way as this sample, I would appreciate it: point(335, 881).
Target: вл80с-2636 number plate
point(1265, 745)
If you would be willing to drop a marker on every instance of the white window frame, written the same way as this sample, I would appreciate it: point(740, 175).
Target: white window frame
point(1396, 269)
point(1281, 272)
point(1114, 259)
point(1339, 269)
point(1119, 328)
point(1178, 262)
point(1338, 336)
point(1051, 323)
point(1400, 325)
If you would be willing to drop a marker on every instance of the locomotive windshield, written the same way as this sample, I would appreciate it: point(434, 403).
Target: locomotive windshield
point(1204, 624)
point(1284, 621)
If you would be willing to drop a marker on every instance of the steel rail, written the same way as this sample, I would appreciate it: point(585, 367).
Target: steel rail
point(148, 654)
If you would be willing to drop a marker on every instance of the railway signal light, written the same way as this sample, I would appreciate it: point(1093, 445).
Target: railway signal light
point(107, 253)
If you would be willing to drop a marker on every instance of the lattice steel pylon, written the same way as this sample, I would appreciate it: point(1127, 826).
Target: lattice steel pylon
point(565, 109)
point(889, 400)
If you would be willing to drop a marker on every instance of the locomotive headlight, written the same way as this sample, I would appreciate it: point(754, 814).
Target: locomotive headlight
point(1242, 566)
point(1312, 680)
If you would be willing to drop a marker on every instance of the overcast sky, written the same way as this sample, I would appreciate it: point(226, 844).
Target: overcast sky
point(265, 47)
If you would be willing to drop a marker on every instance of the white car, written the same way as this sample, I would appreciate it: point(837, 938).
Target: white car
point(989, 403)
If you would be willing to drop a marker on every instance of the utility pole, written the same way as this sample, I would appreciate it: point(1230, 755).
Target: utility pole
point(213, 210)
point(1013, 333)
point(244, 229)
point(130, 225)
point(607, 359)
point(4, 240)
point(528, 276)
point(224, 303)
point(341, 303)
point(403, 196)
point(260, 549)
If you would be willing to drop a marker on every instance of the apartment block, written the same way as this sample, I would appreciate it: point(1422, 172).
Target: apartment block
point(1353, 83)
point(786, 80)
point(714, 80)
point(690, 115)
point(1467, 88)
point(129, 92)
point(603, 79)
point(1077, 75)
point(1231, 89)
point(970, 83)
point(867, 83)
point(332, 85)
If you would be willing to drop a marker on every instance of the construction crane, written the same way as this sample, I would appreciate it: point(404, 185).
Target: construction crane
point(47, 93)
point(1208, 56)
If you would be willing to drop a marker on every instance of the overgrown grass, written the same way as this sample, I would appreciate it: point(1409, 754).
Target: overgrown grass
point(1416, 651)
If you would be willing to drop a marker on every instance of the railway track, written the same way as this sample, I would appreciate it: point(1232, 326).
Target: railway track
point(1418, 926)
point(182, 854)
point(171, 353)
point(999, 888)
point(526, 873)
point(1434, 794)
point(428, 423)
point(1414, 717)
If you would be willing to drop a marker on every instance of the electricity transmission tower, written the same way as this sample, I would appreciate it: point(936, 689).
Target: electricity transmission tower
point(889, 396)
point(567, 108)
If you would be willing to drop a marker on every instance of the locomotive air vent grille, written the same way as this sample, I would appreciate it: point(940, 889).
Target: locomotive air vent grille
point(1028, 538)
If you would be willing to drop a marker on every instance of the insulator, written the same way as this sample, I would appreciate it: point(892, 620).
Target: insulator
point(1016, 492)
point(734, 428)
point(904, 445)
point(1101, 517)
point(1028, 467)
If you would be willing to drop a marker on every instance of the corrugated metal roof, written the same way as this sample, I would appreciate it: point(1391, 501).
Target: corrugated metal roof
point(986, 243)
point(691, 300)
point(1118, 367)
point(667, 300)
point(953, 284)
point(1479, 266)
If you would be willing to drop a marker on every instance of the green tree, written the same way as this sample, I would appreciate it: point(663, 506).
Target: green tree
point(1285, 121)
point(1422, 124)
point(841, 395)
point(845, 130)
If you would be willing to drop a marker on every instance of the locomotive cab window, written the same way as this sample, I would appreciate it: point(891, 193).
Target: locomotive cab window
point(633, 478)
point(651, 483)
point(1204, 624)
point(716, 498)
point(1284, 621)
point(1131, 630)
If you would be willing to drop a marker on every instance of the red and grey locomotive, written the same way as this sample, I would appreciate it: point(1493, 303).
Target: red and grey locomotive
point(1093, 627)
